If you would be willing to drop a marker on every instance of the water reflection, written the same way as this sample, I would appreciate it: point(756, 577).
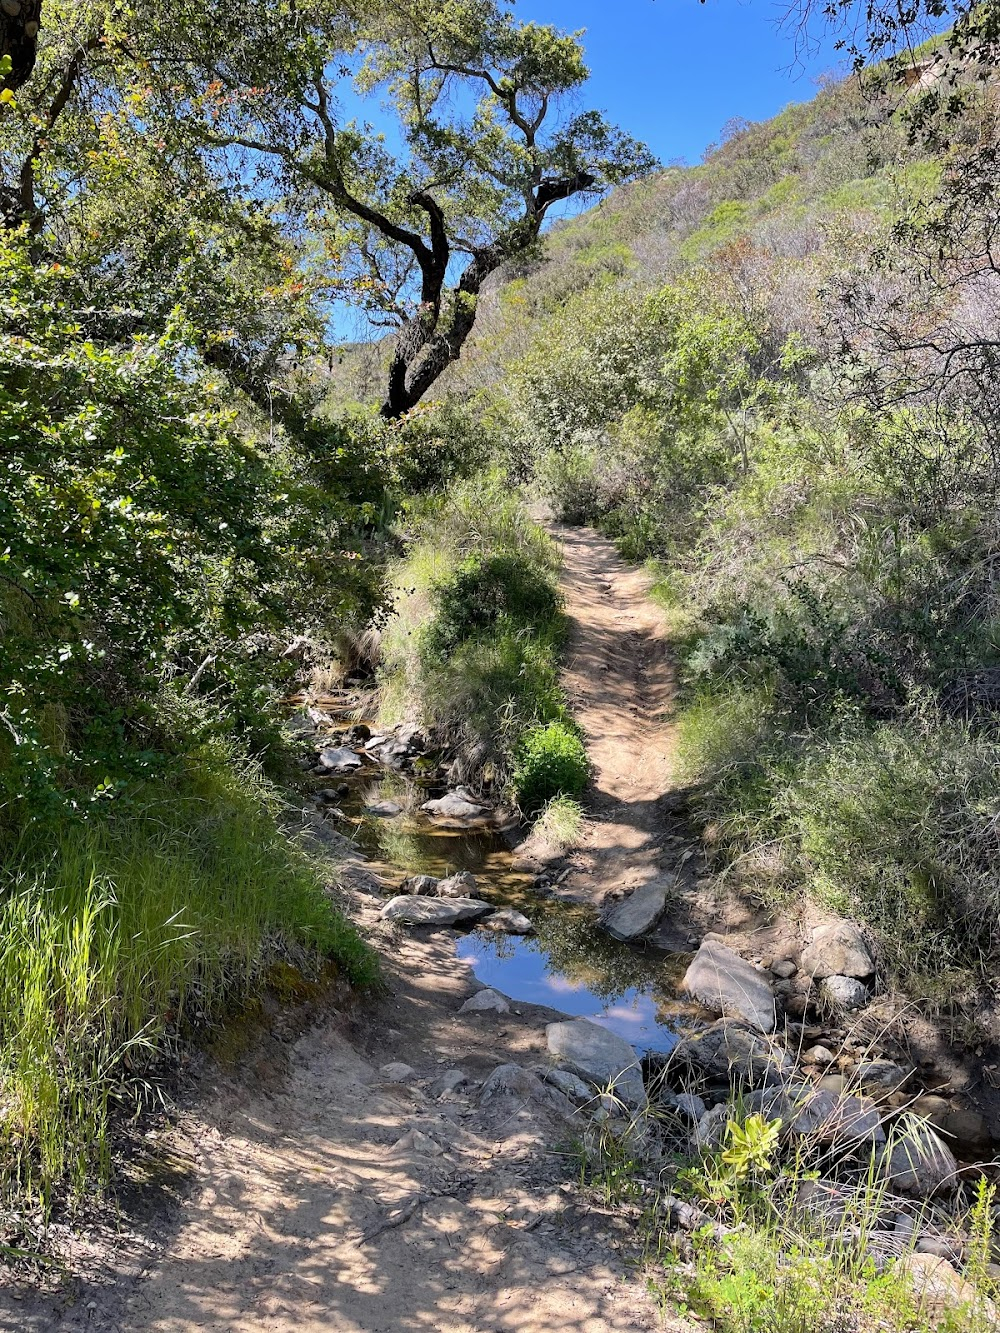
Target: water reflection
point(569, 964)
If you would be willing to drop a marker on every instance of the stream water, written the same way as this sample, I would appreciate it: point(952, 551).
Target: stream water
point(569, 963)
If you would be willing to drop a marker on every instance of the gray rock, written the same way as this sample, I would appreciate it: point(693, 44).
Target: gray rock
point(917, 1161)
point(728, 985)
point(512, 1080)
point(373, 742)
point(729, 1050)
point(455, 805)
point(449, 1083)
point(338, 759)
point(411, 910)
point(460, 885)
point(570, 1085)
point(425, 884)
point(601, 1057)
point(878, 1077)
point(784, 969)
point(828, 1119)
point(837, 950)
point(397, 1072)
point(485, 1001)
point(384, 809)
point(415, 1141)
point(637, 914)
point(844, 992)
point(780, 1102)
point(508, 921)
point(412, 737)
point(710, 1133)
point(689, 1104)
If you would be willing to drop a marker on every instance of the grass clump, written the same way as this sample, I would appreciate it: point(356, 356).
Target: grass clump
point(551, 762)
point(474, 646)
point(121, 936)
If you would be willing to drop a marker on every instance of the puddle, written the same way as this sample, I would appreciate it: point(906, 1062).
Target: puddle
point(569, 964)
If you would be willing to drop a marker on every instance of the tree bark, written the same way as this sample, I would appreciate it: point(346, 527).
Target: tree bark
point(20, 21)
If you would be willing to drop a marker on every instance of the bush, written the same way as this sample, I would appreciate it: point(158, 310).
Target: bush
point(485, 590)
point(551, 762)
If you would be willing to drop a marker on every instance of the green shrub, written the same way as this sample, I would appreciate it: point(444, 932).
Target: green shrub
point(485, 590)
point(551, 762)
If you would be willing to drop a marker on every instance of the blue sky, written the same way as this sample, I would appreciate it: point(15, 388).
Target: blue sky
point(672, 72)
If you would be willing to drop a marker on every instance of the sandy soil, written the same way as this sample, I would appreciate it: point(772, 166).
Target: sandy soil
point(323, 1196)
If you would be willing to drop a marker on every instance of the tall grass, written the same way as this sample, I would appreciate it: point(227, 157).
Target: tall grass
point(121, 935)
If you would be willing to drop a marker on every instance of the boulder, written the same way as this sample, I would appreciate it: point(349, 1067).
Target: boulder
point(781, 1102)
point(397, 1072)
point(486, 1001)
point(918, 1162)
point(729, 1050)
point(837, 950)
point(570, 1085)
point(689, 1105)
point(412, 737)
point(839, 1121)
point(425, 884)
point(601, 1057)
point(448, 1083)
point(455, 805)
point(460, 885)
point(338, 759)
point(844, 992)
point(637, 914)
point(784, 969)
point(710, 1132)
point(508, 921)
point(412, 910)
point(728, 985)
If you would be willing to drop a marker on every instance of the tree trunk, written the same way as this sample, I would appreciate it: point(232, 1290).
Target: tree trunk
point(19, 24)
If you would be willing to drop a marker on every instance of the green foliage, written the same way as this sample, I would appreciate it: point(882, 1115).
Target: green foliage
point(123, 934)
point(482, 594)
point(551, 762)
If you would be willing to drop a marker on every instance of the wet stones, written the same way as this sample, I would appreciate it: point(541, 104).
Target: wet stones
point(458, 806)
point(338, 759)
point(728, 985)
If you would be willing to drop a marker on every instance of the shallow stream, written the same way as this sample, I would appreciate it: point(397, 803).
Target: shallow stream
point(569, 963)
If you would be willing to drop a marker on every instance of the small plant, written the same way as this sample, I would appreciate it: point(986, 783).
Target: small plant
point(552, 762)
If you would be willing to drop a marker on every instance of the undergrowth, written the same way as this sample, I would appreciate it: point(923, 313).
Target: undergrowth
point(121, 936)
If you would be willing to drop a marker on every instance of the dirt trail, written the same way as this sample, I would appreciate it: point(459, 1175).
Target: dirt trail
point(620, 682)
point(325, 1196)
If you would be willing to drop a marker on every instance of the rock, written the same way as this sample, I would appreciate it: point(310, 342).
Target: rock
point(570, 1085)
point(833, 1083)
point(932, 1108)
point(710, 1133)
point(837, 950)
point(359, 734)
point(844, 992)
point(416, 1141)
point(508, 921)
point(449, 1082)
point(420, 884)
point(828, 1119)
point(397, 1072)
point(940, 1246)
point(878, 1077)
point(940, 1291)
point(373, 742)
point(916, 1161)
point(338, 759)
point(460, 885)
point(818, 1055)
point(412, 737)
point(967, 1128)
point(728, 985)
point(784, 969)
point(384, 809)
point(485, 1001)
point(689, 1104)
point(778, 1103)
point(728, 1050)
point(455, 805)
point(511, 1080)
point(411, 910)
point(637, 914)
point(601, 1057)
